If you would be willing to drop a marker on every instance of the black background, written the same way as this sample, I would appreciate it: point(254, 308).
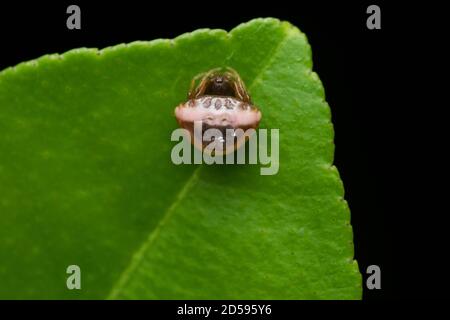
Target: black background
point(358, 67)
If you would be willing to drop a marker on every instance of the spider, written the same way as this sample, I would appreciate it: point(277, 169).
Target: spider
point(220, 101)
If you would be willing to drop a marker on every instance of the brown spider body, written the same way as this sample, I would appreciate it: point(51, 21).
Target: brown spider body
point(220, 101)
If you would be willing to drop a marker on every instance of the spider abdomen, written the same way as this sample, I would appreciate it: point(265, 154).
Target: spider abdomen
point(214, 110)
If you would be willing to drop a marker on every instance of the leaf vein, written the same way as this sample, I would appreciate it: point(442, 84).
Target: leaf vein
point(138, 256)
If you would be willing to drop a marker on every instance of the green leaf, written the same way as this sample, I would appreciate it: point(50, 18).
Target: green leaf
point(86, 177)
